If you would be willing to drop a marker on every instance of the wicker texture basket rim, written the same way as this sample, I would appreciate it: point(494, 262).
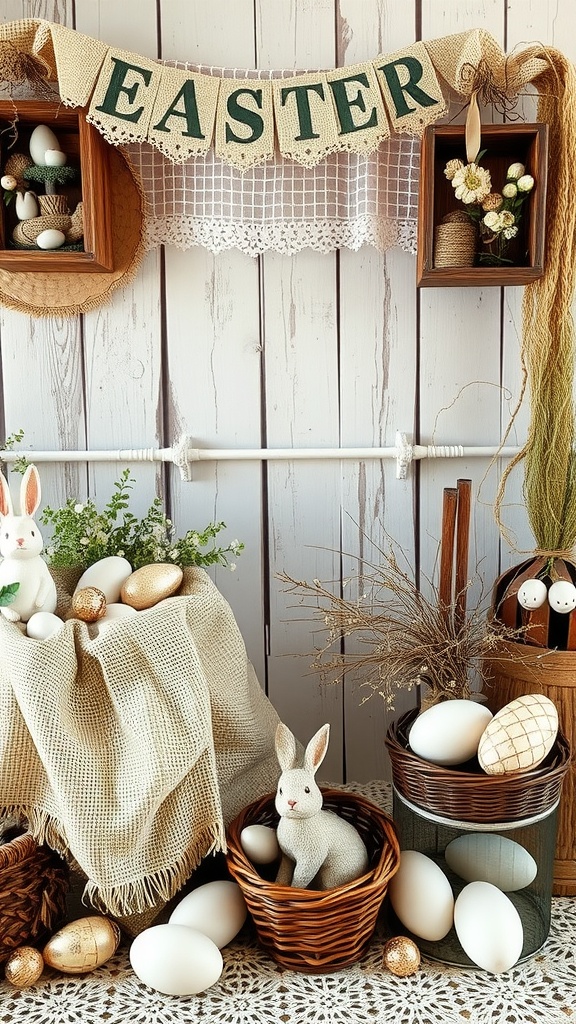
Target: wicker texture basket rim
point(338, 923)
point(33, 886)
point(471, 796)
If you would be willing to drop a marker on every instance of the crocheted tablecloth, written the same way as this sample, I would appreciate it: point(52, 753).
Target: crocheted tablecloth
point(253, 989)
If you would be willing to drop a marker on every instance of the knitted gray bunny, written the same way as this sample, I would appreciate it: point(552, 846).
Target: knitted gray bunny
point(317, 845)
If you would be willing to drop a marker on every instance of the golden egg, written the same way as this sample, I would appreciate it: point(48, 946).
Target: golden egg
point(88, 604)
point(24, 966)
point(82, 945)
point(401, 956)
point(150, 584)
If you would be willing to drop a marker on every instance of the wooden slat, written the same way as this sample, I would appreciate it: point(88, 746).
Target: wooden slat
point(377, 329)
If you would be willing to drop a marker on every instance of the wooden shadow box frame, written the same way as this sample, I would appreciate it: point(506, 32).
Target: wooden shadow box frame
point(504, 144)
point(85, 148)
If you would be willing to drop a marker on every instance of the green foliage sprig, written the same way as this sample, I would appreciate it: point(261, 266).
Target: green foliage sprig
point(8, 593)
point(83, 535)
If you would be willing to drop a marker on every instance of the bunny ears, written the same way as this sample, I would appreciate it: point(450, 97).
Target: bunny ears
point(30, 493)
point(315, 751)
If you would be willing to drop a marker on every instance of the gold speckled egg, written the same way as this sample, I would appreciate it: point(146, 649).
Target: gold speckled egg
point(88, 604)
point(519, 736)
point(82, 945)
point(150, 584)
point(401, 956)
point(24, 966)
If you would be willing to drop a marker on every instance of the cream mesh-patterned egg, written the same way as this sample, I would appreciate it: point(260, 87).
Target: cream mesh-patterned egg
point(519, 736)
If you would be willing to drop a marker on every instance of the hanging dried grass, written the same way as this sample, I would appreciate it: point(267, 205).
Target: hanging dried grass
point(548, 348)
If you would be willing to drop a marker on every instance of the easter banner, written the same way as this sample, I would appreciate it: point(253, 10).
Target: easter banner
point(248, 121)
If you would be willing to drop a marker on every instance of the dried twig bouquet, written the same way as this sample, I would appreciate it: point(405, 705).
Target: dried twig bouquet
point(405, 639)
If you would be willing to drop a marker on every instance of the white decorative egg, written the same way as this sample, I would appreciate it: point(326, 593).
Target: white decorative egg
point(519, 736)
point(42, 625)
point(421, 896)
point(107, 575)
point(42, 138)
point(260, 844)
point(562, 597)
point(532, 594)
point(488, 927)
point(26, 206)
point(51, 238)
point(217, 909)
point(448, 733)
point(175, 960)
point(55, 158)
point(488, 857)
point(115, 612)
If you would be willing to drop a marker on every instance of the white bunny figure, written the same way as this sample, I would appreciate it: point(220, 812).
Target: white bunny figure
point(20, 545)
point(317, 845)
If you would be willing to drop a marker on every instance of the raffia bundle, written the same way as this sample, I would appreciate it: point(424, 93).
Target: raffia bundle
point(548, 348)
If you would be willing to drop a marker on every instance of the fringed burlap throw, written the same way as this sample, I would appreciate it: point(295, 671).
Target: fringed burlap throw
point(130, 752)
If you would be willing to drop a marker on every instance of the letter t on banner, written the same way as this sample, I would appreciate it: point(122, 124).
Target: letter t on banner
point(305, 118)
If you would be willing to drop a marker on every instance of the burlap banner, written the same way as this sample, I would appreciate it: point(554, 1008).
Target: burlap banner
point(303, 117)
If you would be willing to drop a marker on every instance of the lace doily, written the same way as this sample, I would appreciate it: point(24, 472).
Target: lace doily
point(253, 989)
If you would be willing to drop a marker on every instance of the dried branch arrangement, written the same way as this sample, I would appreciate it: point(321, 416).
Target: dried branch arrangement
point(404, 639)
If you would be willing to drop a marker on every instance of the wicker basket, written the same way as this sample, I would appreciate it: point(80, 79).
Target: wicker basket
point(472, 795)
point(307, 930)
point(33, 887)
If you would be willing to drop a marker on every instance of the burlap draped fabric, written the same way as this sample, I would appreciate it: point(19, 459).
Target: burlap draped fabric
point(131, 751)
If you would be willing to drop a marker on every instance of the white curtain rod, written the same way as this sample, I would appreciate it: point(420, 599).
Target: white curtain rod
point(183, 454)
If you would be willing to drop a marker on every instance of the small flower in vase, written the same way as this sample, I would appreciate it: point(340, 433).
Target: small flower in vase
point(499, 225)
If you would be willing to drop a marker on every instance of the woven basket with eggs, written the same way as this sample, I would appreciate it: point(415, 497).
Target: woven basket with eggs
point(469, 794)
point(317, 931)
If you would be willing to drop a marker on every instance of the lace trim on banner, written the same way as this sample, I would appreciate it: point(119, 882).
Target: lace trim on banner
point(280, 236)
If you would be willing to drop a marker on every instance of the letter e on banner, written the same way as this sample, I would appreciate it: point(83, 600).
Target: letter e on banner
point(123, 100)
point(410, 89)
point(360, 111)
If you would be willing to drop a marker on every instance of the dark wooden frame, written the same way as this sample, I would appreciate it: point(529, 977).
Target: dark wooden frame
point(504, 144)
point(86, 148)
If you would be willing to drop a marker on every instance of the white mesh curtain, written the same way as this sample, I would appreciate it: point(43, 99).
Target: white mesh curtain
point(347, 200)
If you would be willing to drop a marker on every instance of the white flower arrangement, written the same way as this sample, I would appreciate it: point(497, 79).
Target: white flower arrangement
point(497, 214)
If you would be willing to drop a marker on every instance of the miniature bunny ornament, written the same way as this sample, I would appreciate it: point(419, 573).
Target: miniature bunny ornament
point(317, 845)
point(20, 546)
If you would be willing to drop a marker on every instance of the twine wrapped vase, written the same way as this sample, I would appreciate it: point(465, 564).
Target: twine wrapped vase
point(455, 241)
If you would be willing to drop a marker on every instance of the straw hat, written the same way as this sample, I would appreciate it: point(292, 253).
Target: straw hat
point(66, 294)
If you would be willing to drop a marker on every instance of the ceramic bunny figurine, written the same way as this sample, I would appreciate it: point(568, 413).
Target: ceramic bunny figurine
point(20, 547)
point(317, 845)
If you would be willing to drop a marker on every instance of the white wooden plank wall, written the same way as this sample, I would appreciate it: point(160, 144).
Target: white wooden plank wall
point(308, 350)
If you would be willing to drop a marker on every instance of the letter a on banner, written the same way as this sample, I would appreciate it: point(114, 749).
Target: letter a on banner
point(410, 89)
point(182, 123)
point(244, 122)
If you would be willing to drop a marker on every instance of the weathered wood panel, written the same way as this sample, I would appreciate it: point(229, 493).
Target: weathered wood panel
point(306, 351)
